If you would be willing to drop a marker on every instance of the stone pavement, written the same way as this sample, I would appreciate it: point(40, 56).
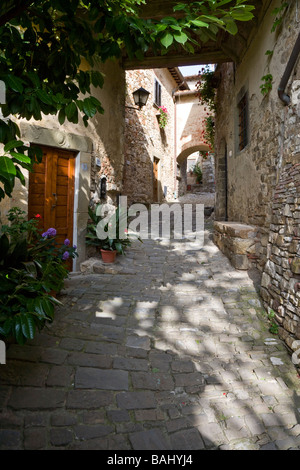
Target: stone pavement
point(172, 353)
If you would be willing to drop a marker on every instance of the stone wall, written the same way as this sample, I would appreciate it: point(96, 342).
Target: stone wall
point(263, 179)
point(208, 174)
point(281, 276)
point(145, 140)
point(190, 114)
point(246, 179)
point(280, 285)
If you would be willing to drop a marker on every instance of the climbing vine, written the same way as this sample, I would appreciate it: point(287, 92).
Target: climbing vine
point(267, 84)
point(209, 132)
point(267, 79)
point(206, 87)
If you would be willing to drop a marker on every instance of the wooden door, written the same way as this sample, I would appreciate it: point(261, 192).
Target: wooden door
point(51, 192)
point(155, 179)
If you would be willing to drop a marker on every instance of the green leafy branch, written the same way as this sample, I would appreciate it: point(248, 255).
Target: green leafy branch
point(273, 324)
point(279, 13)
point(267, 85)
point(204, 19)
point(43, 44)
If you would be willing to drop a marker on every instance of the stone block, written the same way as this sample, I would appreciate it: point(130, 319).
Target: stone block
point(295, 266)
point(88, 399)
point(136, 400)
point(60, 436)
point(36, 399)
point(149, 440)
point(92, 378)
point(265, 280)
point(86, 432)
point(236, 229)
point(236, 241)
point(10, 439)
point(240, 261)
point(242, 245)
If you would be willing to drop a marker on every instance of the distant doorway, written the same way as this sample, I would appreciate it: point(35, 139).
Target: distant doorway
point(222, 190)
point(155, 179)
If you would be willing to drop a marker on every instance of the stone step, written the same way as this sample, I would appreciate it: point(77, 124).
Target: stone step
point(237, 241)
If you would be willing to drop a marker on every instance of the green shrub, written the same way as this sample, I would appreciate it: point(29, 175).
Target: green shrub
point(117, 220)
point(32, 270)
point(198, 173)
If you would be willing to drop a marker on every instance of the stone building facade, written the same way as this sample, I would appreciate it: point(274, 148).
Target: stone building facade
point(257, 163)
point(97, 152)
point(149, 150)
point(190, 115)
point(114, 156)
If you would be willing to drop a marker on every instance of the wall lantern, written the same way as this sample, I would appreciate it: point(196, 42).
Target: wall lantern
point(140, 97)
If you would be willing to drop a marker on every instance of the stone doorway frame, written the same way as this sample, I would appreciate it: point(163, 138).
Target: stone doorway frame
point(83, 147)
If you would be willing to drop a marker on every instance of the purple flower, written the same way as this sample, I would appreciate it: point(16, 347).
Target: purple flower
point(67, 242)
point(65, 255)
point(51, 232)
point(75, 247)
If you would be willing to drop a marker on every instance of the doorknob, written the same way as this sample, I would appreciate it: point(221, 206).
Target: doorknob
point(55, 196)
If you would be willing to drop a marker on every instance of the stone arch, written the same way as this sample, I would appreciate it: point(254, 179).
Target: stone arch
point(188, 149)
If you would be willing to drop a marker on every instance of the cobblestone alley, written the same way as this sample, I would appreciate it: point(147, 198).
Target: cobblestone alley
point(168, 351)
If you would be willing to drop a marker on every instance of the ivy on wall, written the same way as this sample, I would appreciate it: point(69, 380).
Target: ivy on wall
point(206, 87)
point(267, 79)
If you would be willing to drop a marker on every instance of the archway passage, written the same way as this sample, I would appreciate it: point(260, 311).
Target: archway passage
point(189, 185)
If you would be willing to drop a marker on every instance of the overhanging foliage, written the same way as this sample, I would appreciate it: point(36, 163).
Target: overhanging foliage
point(43, 43)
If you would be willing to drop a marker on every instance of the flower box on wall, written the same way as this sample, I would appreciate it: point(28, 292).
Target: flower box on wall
point(162, 117)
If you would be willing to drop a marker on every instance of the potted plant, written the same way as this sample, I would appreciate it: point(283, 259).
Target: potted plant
point(197, 171)
point(163, 117)
point(111, 245)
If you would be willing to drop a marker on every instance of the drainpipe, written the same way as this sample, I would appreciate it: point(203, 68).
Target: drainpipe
point(175, 148)
point(175, 139)
point(287, 73)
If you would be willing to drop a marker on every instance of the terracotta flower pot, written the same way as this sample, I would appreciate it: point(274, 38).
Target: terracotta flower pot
point(108, 256)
